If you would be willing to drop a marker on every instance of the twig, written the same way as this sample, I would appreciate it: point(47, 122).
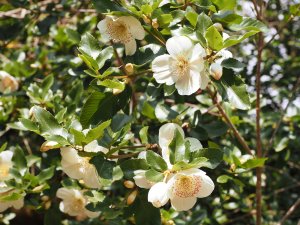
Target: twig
point(231, 125)
point(290, 212)
point(233, 221)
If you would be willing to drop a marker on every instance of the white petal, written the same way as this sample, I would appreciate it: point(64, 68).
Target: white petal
point(130, 47)
point(94, 147)
point(189, 83)
point(6, 156)
point(198, 52)
point(179, 46)
point(91, 178)
point(165, 137)
point(18, 204)
point(216, 70)
point(195, 144)
point(134, 25)
point(142, 155)
point(4, 206)
point(140, 179)
point(207, 186)
point(204, 80)
point(70, 155)
point(163, 2)
point(223, 54)
point(91, 214)
point(159, 194)
point(102, 26)
point(72, 170)
point(162, 69)
point(65, 193)
point(183, 204)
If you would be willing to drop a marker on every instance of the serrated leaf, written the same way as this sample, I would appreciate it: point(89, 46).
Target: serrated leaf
point(232, 63)
point(214, 38)
point(154, 176)
point(177, 148)
point(90, 45)
point(103, 166)
point(97, 132)
point(214, 156)
point(156, 161)
point(236, 39)
point(253, 163)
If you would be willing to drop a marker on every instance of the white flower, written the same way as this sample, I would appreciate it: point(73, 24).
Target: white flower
point(124, 29)
point(188, 185)
point(17, 204)
point(140, 179)
point(216, 70)
point(74, 202)
point(184, 66)
point(78, 167)
point(8, 82)
point(5, 164)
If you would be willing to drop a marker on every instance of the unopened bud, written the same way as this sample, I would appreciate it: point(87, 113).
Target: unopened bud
point(155, 24)
point(216, 71)
point(38, 189)
point(8, 82)
point(219, 27)
point(129, 68)
point(129, 184)
point(146, 19)
point(180, 1)
point(131, 197)
point(117, 91)
point(47, 145)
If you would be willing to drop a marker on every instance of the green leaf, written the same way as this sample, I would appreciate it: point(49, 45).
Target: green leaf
point(214, 38)
point(223, 5)
point(73, 35)
point(90, 46)
point(46, 174)
point(103, 6)
point(223, 179)
point(232, 63)
point(144, 135)
point(47, 123)
point(148, 110)
point(3, 147)
point(102, 106)
point(192, 18)
point(228, 17)
point(282, 144)
point(131, 165)
point(156, 161)
point(195, 163)
point(249, 24)
point(203, 23)
point(97, 132)
point(214, 156)
point(236, 90)
point(253, 163)
point(295, 9)
point(29, 125)
point(236, 39)
point(104, 55)
point(164, 20)
point(112, 83)
point(154, 176)
point(119, 121)
point(177, 148)
point(103, 166)
point(19, 160)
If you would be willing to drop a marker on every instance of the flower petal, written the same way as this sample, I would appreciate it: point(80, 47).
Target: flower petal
point(18, 204)
point(216, 70)
point(102, 26)
point(162, 71)
point(130, 47)
point(195, 144)
point(91, 178)
point(134, 25)
point(198, 52)
point(183, 204)
point(6, 156)
point(94, 147)
point(207, 186)
point(159, 194)
point(204, 80)
point(91, 214)
point(179, 46)
point(70, 155)
point(189, 83)
point(140, 179)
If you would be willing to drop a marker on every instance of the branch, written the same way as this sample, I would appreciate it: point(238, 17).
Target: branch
point(290, 212)
point(231, 125)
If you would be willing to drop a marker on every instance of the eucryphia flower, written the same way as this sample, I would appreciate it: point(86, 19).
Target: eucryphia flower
point(78, 167)
point(8, 82)
point(5, 165)
point(183, 66)
point(183, 187)
point(124, 29)
point(74, 202)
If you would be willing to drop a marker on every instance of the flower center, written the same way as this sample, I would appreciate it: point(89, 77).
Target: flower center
point(4, 171)
point(78, 204)
point(187, 186)
point(118, 32)
point(181, 66)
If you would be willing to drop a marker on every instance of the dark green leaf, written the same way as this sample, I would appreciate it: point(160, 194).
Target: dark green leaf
point(156, 161)
point(103, 166)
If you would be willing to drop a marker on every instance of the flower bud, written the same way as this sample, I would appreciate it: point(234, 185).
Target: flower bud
point(158, 194)
point(146, 19)
point(129, 68)
point(129, 184)
point(8, 82)
point(219, 27)
point(155, 24)
point(117, 91)
point(131, 197)
point(48, 145)
point(180, 1)
point(216, 71)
